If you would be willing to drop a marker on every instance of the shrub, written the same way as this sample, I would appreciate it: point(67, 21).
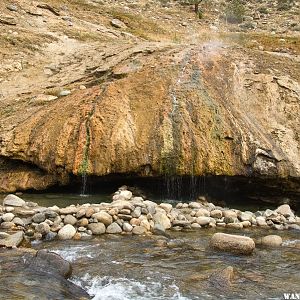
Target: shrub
point(235, 11)
point(263, 10)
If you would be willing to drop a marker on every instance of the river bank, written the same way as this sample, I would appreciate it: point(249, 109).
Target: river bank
point(134, 248)
point(130, 214)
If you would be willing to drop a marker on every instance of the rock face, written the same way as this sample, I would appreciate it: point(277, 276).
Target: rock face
point(206, 94)
point(232, 243)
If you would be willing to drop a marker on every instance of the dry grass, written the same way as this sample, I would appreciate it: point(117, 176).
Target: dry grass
point(271, 42)
point(78, 34)
point(25, 41)
point(268, 41)
point(139, 26)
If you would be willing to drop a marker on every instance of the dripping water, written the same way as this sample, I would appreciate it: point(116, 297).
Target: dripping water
point(83, 184)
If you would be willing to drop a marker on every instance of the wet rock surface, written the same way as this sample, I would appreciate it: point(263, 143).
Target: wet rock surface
point(271, 241)
point(29, 272)
point(222, 278)
point(48, 262)
point(232, 243)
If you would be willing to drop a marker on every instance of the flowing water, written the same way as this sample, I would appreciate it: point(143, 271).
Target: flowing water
point(134, 267)
point(118, 267)
point(83, 184)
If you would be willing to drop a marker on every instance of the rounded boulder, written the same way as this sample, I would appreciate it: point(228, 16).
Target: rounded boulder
point(232, 243)
point(271, 241)
point(67, 232)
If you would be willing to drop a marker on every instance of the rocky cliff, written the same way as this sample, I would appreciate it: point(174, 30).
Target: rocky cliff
point(85, 93)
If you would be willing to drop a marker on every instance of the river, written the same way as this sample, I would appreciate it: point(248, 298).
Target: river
point(148, 267)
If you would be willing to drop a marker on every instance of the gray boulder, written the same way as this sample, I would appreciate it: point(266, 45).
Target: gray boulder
point(203, 220)
point(50, 236)
point(18, 221)
point(261, 221)
point(50, 214)
point(67, 232)
point(138, 230)
point(137, 212)
point(69, 219)
point(162, 219)
point(97, 228)
point(246, 216)
point(103, 217)
point(285, 210)
point(8, 217)
point(232, 243)
point(51, 262)
point(271, 241)
point(127, 227)
point(13, 200)
point(158, 229)
point(39, 218)
point(13, 240)
point(42, 228)
point(118, 24)
point(126, 194)
point(7, 225)
point(113, 228)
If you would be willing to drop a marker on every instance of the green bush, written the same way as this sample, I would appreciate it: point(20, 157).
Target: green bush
point(263, 10)
point(235, 11)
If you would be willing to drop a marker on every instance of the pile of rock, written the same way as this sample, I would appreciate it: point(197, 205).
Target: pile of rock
point(128, 214)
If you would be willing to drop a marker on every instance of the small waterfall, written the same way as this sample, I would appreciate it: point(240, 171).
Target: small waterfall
point(193, 190)
point(173, 183)
point(173, 187)
point(83, 184)
point(173, 92)
point(84, 167)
